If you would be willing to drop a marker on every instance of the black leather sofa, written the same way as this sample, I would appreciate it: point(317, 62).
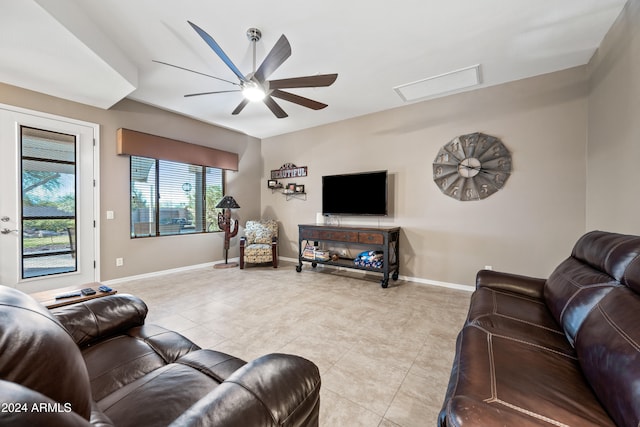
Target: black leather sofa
point(97, 363)
point(564, 351)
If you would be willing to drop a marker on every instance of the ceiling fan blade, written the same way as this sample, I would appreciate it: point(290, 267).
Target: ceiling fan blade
point(274, 107)
point(278, 54)
point(240, 106)
point(211, 93)
point(218, 50)
point(197, 72)
point(306, 81)
point(297, 99)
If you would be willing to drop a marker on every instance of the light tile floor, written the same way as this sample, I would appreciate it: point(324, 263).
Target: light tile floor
point(384, 354)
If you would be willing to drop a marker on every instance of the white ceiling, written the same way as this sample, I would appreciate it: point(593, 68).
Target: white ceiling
point(99, 52)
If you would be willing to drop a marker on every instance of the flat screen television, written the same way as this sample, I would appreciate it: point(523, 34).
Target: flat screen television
point(362, 193)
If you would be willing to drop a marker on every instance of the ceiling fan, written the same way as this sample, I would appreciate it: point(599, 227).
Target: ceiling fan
point(255, 86)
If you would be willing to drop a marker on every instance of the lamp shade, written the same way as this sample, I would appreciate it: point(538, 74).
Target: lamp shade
point(228, 202)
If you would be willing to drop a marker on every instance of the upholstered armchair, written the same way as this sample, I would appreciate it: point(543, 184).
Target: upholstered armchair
point(260, 243)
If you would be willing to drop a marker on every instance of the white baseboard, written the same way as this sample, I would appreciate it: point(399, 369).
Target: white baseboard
point(163, 272)
point(417, 280)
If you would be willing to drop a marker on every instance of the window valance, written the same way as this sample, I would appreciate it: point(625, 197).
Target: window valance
point(133, 143)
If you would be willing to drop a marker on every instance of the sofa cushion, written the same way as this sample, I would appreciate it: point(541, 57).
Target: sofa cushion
point(118, 361)
point(499, 380)
point(608, 252)
point(517, 317)
point(631, 277)
point(571, 292)
point(115, 362)
point(258, 253)
point(513, 306)
point(158, 397)
point(516, 307)
point(261, 231)
point(597, 264)
point(215, 364)
point(167, 344)
point(172, 388)
point(38, 353)
point(608, 347)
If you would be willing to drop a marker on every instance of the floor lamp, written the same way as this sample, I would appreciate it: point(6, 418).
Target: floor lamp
point(230, 227)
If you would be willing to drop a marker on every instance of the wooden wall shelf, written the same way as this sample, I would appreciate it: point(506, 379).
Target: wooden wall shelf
point(288, 195)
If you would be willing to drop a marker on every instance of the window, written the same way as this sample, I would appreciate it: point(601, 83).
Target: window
point(48, 164)
point(173, 198)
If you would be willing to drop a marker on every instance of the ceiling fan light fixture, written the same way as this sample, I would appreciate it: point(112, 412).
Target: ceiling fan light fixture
point(256, 85)
point(253, 92)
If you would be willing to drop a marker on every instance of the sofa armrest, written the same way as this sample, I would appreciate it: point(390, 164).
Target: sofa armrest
point(273, 390)
point(97, 318)
point(514, 283)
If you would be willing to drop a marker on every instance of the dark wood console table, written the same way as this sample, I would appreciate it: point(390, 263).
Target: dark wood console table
point(384, 239)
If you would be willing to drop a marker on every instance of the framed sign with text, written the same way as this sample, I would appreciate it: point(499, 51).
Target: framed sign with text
point(289, 170)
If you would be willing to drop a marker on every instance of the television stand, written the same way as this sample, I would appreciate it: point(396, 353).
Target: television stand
point(384, 239)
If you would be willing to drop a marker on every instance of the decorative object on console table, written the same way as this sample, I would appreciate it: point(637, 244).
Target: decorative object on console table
point(230, 227)
point(309, 252)
point(322, 255)
point(472, 167)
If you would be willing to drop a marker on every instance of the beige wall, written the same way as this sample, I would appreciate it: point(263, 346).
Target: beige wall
point(559, 188)
point(528, 227)
point(613, 196)
point(143, 256)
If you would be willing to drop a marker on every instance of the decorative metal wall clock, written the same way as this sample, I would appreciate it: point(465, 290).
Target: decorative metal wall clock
point(472, 166)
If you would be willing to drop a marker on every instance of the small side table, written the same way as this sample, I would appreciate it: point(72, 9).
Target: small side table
point(48, 298)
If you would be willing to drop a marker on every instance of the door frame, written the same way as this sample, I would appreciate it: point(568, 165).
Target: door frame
point(30, 286)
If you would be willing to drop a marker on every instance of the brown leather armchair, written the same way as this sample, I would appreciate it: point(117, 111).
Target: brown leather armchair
point(98, 363)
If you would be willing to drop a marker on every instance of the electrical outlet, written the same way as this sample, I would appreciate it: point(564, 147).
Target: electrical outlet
point(119, 262)
point(488, 267)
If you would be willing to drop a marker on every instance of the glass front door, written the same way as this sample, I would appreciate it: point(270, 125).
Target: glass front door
point(48, 201)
